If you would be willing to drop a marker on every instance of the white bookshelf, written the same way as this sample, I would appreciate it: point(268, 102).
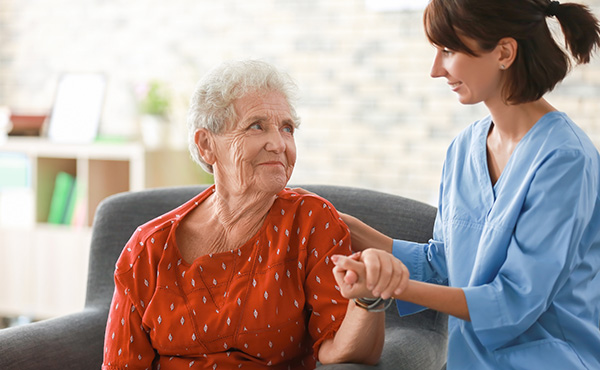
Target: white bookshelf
point(43, 267)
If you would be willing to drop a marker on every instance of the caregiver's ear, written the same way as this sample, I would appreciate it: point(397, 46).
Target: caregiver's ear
point(507, 48)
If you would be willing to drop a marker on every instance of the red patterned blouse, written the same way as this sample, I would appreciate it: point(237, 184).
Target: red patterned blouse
point(268, 304)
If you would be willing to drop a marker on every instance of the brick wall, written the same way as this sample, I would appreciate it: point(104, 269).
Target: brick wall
point(372, 116)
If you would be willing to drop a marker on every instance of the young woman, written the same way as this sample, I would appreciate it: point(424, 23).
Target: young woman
point(515, 254)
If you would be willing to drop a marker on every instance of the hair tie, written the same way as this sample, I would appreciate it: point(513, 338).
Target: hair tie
point(552, 8)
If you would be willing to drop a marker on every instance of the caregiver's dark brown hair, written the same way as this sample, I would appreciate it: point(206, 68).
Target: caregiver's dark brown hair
point(540, 62)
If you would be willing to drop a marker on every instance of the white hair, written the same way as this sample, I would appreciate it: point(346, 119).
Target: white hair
point(211, 105)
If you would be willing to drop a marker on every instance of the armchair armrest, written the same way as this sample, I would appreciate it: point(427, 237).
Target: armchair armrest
point(416, 341)
point(68, 342)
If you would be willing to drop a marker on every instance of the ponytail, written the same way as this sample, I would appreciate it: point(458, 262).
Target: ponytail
point(580, 27)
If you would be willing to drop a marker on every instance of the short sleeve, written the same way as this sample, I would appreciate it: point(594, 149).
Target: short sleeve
point(126, 343)
point(328, 236)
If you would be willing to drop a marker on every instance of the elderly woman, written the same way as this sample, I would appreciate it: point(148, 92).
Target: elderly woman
point(241, 275)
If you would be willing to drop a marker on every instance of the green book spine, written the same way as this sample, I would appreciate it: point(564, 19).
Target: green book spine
point(73, 200)
point(63, 186)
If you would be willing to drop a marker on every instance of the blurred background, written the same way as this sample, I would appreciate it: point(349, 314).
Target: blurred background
point(371, 115)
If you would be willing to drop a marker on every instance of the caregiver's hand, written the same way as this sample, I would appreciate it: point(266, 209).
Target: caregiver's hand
point(371, 273)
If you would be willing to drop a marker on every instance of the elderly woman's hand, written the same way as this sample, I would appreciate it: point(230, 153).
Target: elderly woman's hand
point(370, 273)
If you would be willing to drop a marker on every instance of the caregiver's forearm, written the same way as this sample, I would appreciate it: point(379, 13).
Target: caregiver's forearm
point(364, 236)
point(441, 298)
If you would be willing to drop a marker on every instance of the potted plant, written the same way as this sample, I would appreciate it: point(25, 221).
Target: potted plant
point(154, 102)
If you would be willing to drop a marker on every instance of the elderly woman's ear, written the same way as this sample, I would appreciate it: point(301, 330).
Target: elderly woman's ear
point(204, 142)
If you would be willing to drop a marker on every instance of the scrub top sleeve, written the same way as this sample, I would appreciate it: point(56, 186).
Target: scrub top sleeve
point(541, 254)
point(420, 260)
point(425, 261)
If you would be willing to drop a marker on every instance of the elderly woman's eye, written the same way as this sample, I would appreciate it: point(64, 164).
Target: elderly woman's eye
point(255, 126)
point(289, 129)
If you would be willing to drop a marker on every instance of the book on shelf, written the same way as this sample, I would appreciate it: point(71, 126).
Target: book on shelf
point(63, 197)
point(79, 207)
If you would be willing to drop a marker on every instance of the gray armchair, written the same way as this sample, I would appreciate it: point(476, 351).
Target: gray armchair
point(75, 341)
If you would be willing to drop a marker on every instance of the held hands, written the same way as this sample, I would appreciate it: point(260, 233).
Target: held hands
point(371, 273)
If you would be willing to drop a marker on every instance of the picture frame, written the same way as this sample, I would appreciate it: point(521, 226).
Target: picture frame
point(77, 108)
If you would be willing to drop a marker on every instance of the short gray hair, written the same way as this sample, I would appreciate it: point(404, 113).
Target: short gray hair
point(211, 105)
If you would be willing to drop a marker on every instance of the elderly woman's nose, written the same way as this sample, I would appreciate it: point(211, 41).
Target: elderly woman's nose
point(275, 141)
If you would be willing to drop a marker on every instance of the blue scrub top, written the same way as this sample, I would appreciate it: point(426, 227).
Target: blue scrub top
point(526, 250)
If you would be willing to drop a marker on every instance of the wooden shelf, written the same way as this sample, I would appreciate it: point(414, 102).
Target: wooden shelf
point(101, 169)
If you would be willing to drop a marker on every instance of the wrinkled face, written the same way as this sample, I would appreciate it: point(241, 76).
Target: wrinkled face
point(474, 79)
point(258, 151)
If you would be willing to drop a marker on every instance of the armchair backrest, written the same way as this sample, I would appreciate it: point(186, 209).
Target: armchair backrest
point(118, 216)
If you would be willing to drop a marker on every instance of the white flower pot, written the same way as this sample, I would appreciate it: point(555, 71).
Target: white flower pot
point(155, 131)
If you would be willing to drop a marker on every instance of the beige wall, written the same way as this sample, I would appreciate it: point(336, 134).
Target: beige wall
point(372, 116)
